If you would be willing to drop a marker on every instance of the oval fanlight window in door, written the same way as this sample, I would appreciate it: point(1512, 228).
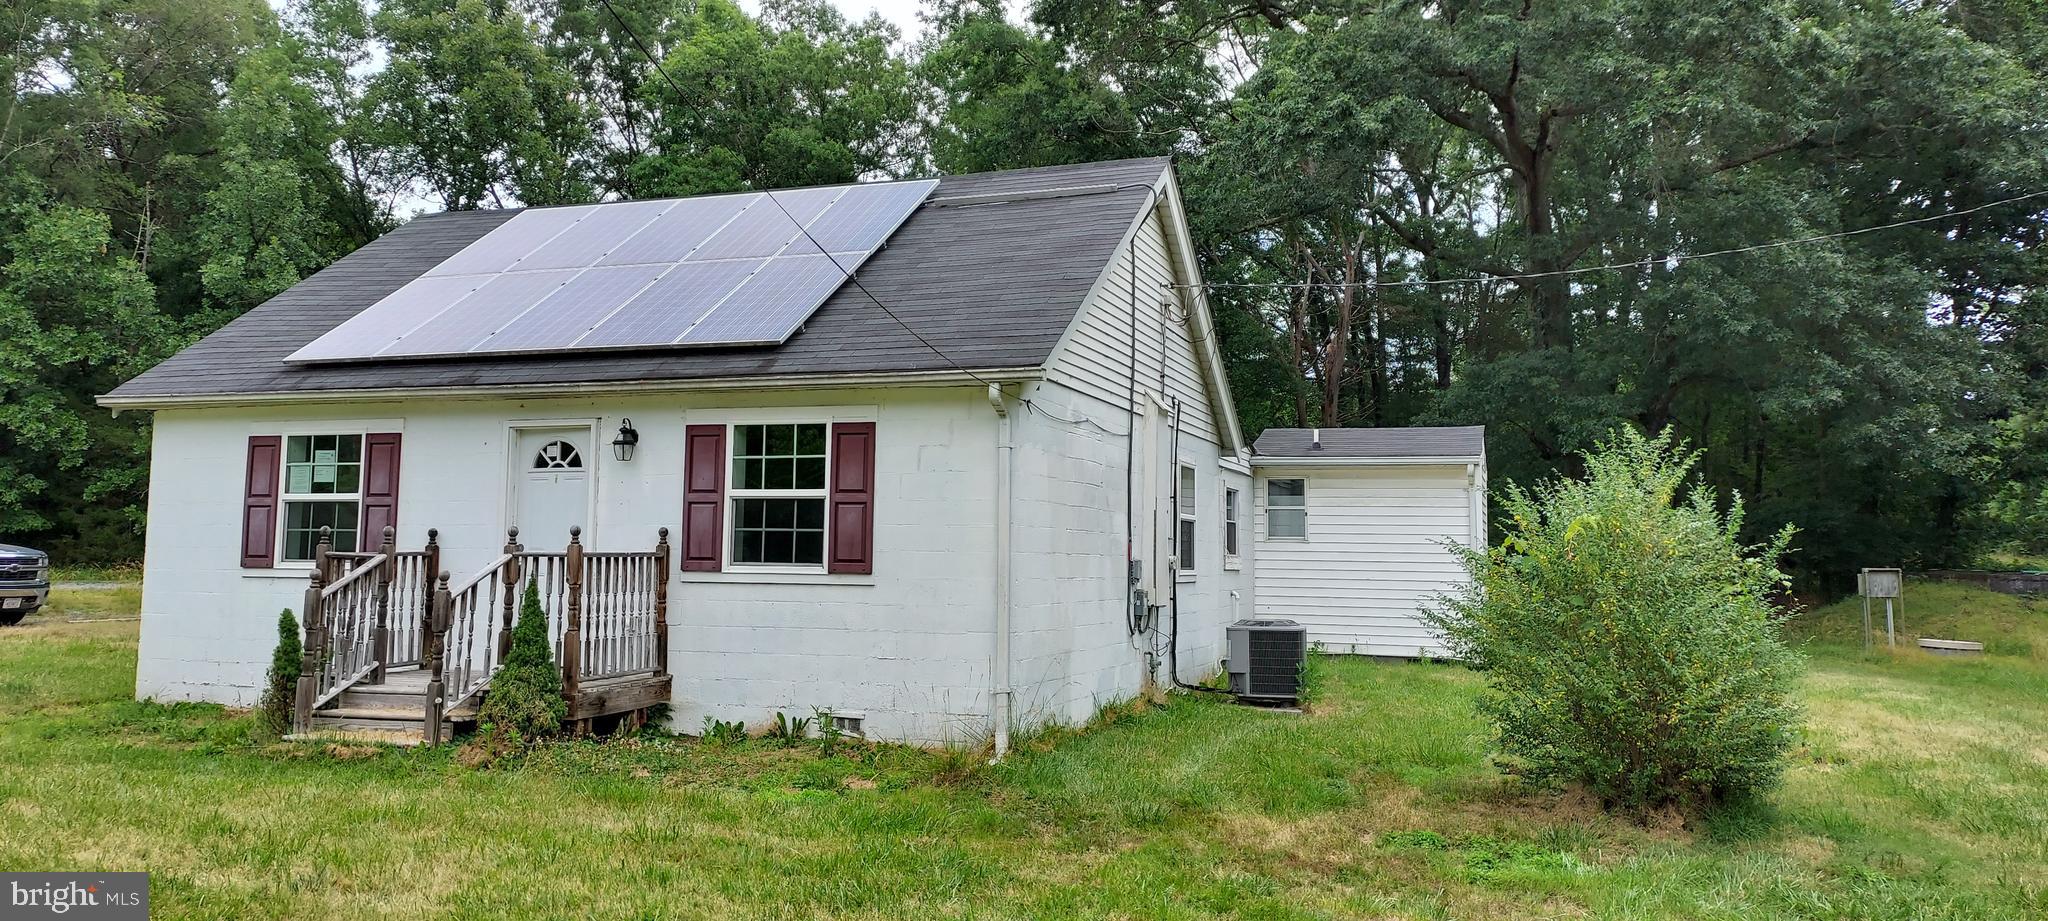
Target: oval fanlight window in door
point(557, 455)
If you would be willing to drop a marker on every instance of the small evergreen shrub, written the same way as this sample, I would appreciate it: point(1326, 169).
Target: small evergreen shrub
point(1627, 636)
point(524, 701)
point(281, 684)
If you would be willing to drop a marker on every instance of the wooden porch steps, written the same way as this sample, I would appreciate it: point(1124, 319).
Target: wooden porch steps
point(393, 712)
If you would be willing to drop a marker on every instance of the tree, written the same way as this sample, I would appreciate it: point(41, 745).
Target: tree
point(77, 315)
point(1007, 98)
point(266, 223)
point(798, 97)
point(1627, 635)
point(525, 701)
point(476, 110)
point(280, 684)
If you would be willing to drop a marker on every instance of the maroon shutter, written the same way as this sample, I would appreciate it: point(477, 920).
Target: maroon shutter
point(703, 497)
point(852, 517)
point(259, 502)
point(380, 487)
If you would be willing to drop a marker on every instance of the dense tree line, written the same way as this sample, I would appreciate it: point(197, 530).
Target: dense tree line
point(1415, 211)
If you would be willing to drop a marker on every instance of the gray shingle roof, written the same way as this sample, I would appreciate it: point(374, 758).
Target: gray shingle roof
point(992, 285)
point(1418, 441)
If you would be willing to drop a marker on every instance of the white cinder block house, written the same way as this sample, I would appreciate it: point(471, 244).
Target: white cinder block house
point(1356, 526)
point(911, 506)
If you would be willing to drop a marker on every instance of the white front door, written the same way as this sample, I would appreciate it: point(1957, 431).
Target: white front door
point(551, 485)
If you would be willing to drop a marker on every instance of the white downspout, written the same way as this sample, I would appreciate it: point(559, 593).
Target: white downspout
point(1000, 694)
point(1475, 506)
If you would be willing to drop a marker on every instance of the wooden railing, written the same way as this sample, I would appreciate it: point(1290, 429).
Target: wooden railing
point(607, 616)
point(362, 614)
point(473, 628)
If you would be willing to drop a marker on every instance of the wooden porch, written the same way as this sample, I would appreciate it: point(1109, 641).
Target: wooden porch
point(394, 653)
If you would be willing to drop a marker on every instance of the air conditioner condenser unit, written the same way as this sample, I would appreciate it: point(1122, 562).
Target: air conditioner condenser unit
point(1266, 657)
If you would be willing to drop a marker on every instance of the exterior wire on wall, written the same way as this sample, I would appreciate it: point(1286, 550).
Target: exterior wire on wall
point(1131, 617)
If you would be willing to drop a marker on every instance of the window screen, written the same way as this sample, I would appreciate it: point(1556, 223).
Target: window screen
point(1287, 509)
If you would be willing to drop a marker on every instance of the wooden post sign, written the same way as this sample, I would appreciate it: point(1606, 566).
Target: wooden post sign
point(1888, 584)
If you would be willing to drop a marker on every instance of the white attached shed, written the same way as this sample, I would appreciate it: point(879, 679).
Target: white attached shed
point(1354, 530)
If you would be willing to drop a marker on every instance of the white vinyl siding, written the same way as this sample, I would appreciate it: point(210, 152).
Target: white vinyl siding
point(1096, 355)
point(1375, 554)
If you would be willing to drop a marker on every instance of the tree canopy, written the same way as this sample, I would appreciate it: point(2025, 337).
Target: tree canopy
point(1412, 212)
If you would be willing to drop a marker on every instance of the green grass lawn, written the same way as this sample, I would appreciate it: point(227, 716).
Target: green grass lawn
point(1920, 792)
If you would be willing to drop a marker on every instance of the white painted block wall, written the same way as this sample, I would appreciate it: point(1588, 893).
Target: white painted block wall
point(1375, 555)
point(909, 646)
point(1075, 652)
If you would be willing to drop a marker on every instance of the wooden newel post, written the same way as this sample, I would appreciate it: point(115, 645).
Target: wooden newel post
point(432, 642)
point(661, 603)
point(510, 576)
point(430, 565)
point(313, 652)
point(387, 563)
point(572, 627)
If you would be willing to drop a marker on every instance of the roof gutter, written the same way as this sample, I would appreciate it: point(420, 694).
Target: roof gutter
point(1264, 460)
point(945, 378)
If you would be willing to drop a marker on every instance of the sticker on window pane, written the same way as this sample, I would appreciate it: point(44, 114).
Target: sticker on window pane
point(327, 457)
point(299, 479)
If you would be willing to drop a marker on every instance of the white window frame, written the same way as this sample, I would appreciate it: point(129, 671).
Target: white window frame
point(1232, 535)
point(1266, 497)
point(285, 498)
point(733, 494)
point(1187, 518)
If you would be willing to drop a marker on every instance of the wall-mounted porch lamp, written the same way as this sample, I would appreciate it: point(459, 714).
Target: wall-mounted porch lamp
point(622, 446)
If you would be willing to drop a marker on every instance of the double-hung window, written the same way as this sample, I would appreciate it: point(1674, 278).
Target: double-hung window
point(1184, 545)
point(1229, 523)
point(323, 483)
point(1287, 509)
point(778, 494)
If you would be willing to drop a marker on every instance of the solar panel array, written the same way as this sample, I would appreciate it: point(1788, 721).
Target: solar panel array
point(719, 270)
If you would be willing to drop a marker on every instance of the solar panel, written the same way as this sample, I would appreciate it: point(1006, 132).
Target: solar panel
point(771, 304)
point(679, 230)
point(596, 236)
point(501, 249)
point(865, 216)
point(670, 306)
point(738, 269)
point(765, 229)
point(369, 332)
point(465, 325)
point(573, 309)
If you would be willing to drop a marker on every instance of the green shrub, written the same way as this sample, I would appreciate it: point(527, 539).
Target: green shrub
point(1627, 635)
point(281, 684)
point(524, 701)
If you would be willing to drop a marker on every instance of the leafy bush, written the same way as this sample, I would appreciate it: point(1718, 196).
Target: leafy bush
point(1627, 635)
point(723, 733)
point(524, 701)
point(281, 684)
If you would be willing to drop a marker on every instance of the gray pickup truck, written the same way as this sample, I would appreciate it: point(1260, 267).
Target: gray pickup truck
point(24, 582)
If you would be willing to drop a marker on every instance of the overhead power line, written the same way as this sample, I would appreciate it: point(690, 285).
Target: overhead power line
point(1639, 263)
